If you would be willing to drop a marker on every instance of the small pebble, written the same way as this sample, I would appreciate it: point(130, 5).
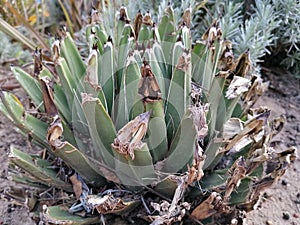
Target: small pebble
point(269, 222)
point(283, 182)
point(298, 195)
point(296, 215)
point(285, 215)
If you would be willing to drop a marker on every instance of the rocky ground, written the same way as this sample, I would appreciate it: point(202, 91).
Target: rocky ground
point(279, 205)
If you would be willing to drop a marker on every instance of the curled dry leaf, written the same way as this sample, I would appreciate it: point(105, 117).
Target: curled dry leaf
point(147, 19)
point(226, 60)
point(242, 66)
point(170, 213)
point(213, 33)
point(276, 168)
point(95, 17)
point(237, 86)
point(199, 119)
point(195, 172)
point(45, 82)
point(110, 204)
point(248, 134)
point(54, 132)
point(55, 51)
point(137, 24)
point(277, 125)
point(237, 173)
point(91, 76)
point(186, 18)
point(129, 137)
point(212, 205)
point(148, 86)
point(77, 185)
point(124, 15)
point(184, 62)
point(258, 87)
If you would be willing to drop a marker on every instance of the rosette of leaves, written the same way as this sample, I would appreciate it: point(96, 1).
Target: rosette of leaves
point(150, 125)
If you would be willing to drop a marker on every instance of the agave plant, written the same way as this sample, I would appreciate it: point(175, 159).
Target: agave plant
point(150, 125)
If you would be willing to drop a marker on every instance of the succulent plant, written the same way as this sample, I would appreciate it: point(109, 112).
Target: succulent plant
point(148, 122)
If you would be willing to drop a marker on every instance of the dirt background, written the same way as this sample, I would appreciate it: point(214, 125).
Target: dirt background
point(280, 205)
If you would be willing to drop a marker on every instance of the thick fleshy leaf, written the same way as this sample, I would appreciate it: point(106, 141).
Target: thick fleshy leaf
point(182, 147)
point(38, 168)
point(101, 129)
point(79, 162)
point(71, 54)
point(30, 85)
point(60, 215)
point(179, 94)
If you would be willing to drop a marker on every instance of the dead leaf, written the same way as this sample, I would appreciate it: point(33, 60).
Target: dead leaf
point(148, 86)
point(38, 65)
point(55, 131)
point(124, 15)
point(147, 19)
point(212, 34)
point(258, 87)
point(237, 86)
point(110, 204)
point(77, 185)
point(199, 113)
point(56, 51)
point(137, 24)
point(242, 66)
point(212, 205)
point(129, 137)
point(186, 18)
point(184, 62)
point(237, 173)
point(226, 60)
point(195, 172)
point(174, 211)
point(91, 76)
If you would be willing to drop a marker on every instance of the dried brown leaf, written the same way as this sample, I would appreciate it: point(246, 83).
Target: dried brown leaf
point(212, 205)
point(54, 132)
point(226, 60)
point(91, 76)
point(110, 204)
point(148, 86)
point(212, 34)
point(124, 15)
point(237, 173)
point(237, 86)
point(56, 51)
point(77, 185)
point(195, 172)
point(129, 137)
point(137, 24)
point(243, 64)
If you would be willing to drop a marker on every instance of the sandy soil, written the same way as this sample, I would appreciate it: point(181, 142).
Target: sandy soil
point(280, 205)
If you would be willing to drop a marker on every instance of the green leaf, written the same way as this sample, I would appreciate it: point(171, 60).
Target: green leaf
point(29, 125)
point(101, 129)
point(80, 163)
point(179, 94)
point(59, 215)
point(38, 168)
point(30, 85)
point(182, 147)
point(157, 131)
point(106, 75)
point(128, 101)
point(71, 54)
